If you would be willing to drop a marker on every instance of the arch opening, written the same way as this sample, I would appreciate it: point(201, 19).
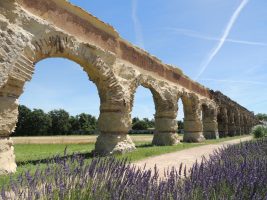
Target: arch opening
point(59, 88)
point(180, 117)
point(143, 115)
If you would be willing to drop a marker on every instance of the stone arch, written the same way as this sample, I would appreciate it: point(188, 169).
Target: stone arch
point(246, 129)
point(242, 130)
point(222, 120)
point(96, 63)
point(209, 121)
point(193, 128)
point(231, 122)
point(237, 122)
point(166, 109)
point(249, 124)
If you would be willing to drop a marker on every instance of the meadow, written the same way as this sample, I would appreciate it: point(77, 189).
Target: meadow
point(31, 156)
point(236, 172)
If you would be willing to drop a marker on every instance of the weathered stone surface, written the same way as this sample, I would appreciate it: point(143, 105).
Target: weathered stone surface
point(165, 138)
point(108, 144)
point(8, 115)
point(209, 120)
point(193, 127)
point(193, 137)
point(7, 157)
point(233, 119)
point(34, 30)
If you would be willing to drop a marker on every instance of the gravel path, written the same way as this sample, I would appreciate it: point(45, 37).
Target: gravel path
point(187, 156)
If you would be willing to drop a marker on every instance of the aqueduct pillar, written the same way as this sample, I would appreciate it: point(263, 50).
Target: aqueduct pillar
point(237, 123)
point(210, 125)
point(222, 120)
point(165, 121)
point(231, 123)
point(193, 128)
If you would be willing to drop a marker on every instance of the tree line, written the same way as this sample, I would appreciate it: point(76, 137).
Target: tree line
point(56, 122)
point(36, 122)
point(262, 116)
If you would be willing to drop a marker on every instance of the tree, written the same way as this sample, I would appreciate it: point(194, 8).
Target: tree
point(262, 117)
point(135, 119)
point(180, 126)
point(60, 122)
point(74, 125)
point(23, 121)
point(87, 122)
point(30, 123)
point(39, 122)
point(140, 125)
point(143, 124)
point(150, 123)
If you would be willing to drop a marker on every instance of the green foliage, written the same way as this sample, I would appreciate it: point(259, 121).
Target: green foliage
point(74, 124)
point(60, 121)
point(87, 122)
point(262, 116)
point(37, 123)
point(23, 121)
point(140, 125)
point(259, 131)
point(180, 126)
point(150, 123)
point(143, 124)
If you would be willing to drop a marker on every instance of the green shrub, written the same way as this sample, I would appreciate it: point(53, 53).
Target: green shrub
point(259, 131)
point(140, 125)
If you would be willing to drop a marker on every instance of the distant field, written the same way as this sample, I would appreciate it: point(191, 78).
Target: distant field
point(72, 139)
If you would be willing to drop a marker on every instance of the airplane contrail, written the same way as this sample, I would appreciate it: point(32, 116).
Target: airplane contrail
point(137, 25)
point(226, 32)
point(234, 81)
point(194, 34)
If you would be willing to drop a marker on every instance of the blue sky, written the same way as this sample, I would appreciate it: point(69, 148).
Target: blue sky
point(220, 43)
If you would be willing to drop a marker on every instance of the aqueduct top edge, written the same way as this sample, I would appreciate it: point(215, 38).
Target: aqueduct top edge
point(86, 27)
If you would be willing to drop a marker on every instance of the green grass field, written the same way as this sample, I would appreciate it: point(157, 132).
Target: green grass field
point(28, 156)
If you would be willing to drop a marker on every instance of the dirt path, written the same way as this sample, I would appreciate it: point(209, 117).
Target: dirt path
point(187, 156)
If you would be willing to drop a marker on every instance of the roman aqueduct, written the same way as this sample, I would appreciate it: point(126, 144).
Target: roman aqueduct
point(34, 30)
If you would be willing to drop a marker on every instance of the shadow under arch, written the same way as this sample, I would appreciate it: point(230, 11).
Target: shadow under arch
point(222, 120)
point(237, 122)
point(231, 122)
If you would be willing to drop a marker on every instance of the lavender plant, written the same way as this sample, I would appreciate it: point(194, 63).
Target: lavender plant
point(235, 172)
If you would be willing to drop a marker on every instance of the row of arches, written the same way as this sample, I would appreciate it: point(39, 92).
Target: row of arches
point(116, 83)
point(233, 122)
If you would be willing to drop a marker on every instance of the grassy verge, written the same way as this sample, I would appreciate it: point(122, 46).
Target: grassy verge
point(33, 152)
point(29, 155)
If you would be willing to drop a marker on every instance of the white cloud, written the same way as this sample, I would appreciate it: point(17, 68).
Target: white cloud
point(222, 40)
point(137, 26)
